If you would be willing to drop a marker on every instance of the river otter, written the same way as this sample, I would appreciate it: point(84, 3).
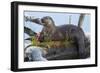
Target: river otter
point(58, 33)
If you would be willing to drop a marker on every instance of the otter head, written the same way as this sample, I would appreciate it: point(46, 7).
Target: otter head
point(47, 21)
